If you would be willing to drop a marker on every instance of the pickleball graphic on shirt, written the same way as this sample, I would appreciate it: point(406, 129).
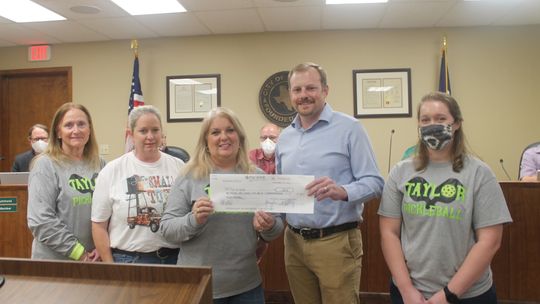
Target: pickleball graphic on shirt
point(427, 195)
point(83, 185)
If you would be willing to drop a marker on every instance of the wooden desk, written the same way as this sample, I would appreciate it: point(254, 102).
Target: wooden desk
point(15, 237)
point(516, 266)
point(43, 282)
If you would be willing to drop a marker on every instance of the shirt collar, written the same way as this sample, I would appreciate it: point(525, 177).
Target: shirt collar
point(259, 154)
point(326, 115)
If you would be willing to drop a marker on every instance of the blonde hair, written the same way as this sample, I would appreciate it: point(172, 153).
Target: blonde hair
point(54, 148)
point(139, 111)
point(200, 165)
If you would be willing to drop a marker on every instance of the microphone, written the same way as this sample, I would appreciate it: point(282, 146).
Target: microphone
point(390, 149)
point(505, 172)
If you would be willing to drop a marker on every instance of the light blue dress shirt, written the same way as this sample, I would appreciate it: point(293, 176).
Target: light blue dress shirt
point(336, 146)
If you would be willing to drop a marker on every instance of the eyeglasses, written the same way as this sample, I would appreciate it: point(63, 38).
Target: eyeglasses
point(45, 139)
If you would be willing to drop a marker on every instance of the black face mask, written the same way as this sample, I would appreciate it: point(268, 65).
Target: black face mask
point(436, 136)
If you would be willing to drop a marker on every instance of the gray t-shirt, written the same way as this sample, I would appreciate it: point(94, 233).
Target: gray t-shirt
point(440, 211)
point(59, 207)
point(226, 242)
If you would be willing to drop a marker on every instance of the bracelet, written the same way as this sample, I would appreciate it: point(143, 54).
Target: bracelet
point(451, 297)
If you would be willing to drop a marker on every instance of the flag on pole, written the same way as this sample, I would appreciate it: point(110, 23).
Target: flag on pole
point(135, 97)
point(444, 78)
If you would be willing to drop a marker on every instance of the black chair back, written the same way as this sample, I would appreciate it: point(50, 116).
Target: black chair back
point(177, 152)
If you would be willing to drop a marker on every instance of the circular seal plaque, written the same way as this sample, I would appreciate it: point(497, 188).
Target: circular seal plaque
point(274, 99)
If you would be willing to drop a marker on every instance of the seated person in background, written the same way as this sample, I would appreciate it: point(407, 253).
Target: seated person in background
point(38, 137)
point(172, 150)
point(264, 157)
point(530, 164)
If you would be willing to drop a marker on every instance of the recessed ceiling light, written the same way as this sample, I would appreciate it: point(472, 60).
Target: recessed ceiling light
point(146, 7)
point(354, 1)
point(85, 9)
point(27, 11)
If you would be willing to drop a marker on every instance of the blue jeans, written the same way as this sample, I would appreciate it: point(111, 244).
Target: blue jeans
point(488, 297)
point(136, 258)
point(253, 296)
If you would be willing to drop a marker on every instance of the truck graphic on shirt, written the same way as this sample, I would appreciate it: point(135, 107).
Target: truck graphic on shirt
point(141, 213)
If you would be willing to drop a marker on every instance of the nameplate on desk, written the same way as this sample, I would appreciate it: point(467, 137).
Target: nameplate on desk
point(8, 204)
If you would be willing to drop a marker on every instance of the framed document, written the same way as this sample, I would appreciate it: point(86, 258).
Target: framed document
point(190, 97)
point(382, 93)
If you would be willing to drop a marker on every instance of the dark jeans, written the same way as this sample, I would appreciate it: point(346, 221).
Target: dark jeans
point(253, 296)
point(137, 258)
point(488, 297)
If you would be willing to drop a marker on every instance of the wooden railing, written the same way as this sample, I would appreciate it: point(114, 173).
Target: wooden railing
point(516, 266)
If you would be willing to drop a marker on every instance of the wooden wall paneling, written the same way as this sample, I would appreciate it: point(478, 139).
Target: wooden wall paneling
point(375, 273)
point(15, 237)
point(523, 241)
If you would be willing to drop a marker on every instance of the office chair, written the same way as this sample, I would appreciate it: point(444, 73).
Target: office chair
point(177, 152)
point(521, 158)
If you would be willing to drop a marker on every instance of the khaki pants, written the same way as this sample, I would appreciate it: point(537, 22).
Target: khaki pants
point(325, 270)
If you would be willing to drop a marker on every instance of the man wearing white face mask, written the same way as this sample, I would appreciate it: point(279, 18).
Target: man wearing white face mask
point(264, 157)
point(38, 137)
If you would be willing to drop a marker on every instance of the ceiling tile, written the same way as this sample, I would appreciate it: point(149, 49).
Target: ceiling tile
point(352, 16)
point(21, 35)
point(207, 17)
point(414, 14)
point(210, 5)
point(527, 12)
point(67, 31)
point(180, 24)
point(291, 18)
point(119, 28)
point(475, 13)
point(232, 21)
point(274, 3)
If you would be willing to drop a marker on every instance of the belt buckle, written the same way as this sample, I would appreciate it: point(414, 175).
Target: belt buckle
point(158, 254)
point(306, 233)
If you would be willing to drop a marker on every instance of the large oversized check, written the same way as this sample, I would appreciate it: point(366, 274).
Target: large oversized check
point(252, 192)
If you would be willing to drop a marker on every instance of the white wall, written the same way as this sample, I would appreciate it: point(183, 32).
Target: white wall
point(494, 74)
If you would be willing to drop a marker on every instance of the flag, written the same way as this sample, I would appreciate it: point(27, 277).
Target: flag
point(444, 78)
point(135, 99)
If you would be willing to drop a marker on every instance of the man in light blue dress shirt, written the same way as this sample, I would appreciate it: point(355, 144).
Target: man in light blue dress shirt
point(323, 251)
